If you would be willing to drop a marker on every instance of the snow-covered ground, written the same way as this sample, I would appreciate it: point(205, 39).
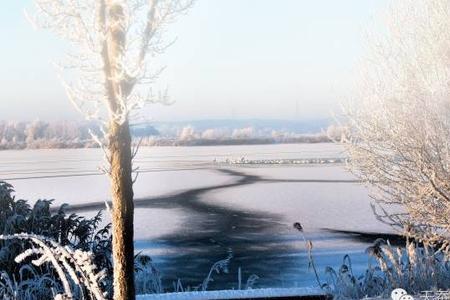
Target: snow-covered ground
point(244, 210)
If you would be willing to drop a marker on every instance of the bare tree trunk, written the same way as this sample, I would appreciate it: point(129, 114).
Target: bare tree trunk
point(123, 36)
point(123, 210)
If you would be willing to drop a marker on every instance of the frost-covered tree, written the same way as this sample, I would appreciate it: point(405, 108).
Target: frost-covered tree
point(335, 132)
point(35, 130)
point(187, 133)
point(113, 43)
point(399, 124)
point(243, 133)
point(214, 134)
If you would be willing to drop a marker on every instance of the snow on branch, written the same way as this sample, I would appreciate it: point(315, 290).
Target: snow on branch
point(69, 264)
point(109, 72)
point(113, 43)
point(399, 121)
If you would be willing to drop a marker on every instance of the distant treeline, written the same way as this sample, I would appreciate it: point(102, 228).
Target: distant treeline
point(189, 136)
point(56, 134)
point(235, 141)
point(74, 134)
point(40, 134)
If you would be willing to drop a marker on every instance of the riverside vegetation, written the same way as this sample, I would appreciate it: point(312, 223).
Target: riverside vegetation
point(46, 253)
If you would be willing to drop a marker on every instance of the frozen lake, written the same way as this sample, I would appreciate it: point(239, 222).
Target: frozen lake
point(191, 212)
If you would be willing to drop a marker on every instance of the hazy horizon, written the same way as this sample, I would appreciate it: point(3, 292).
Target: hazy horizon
point(293, 61)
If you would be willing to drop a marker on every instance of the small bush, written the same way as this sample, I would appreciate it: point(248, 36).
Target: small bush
point(76, 232)
point(413, 268)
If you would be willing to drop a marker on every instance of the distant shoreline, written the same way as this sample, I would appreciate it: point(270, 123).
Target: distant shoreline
point(171, 143)
point(74, 135)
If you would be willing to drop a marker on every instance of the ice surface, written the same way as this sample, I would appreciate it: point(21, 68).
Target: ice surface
point(93, 188)
point(72, 176)
point(191, 212)
point(234, 294)
point(334, 205)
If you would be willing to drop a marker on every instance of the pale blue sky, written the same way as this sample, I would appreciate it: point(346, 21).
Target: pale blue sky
point(241, 58)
